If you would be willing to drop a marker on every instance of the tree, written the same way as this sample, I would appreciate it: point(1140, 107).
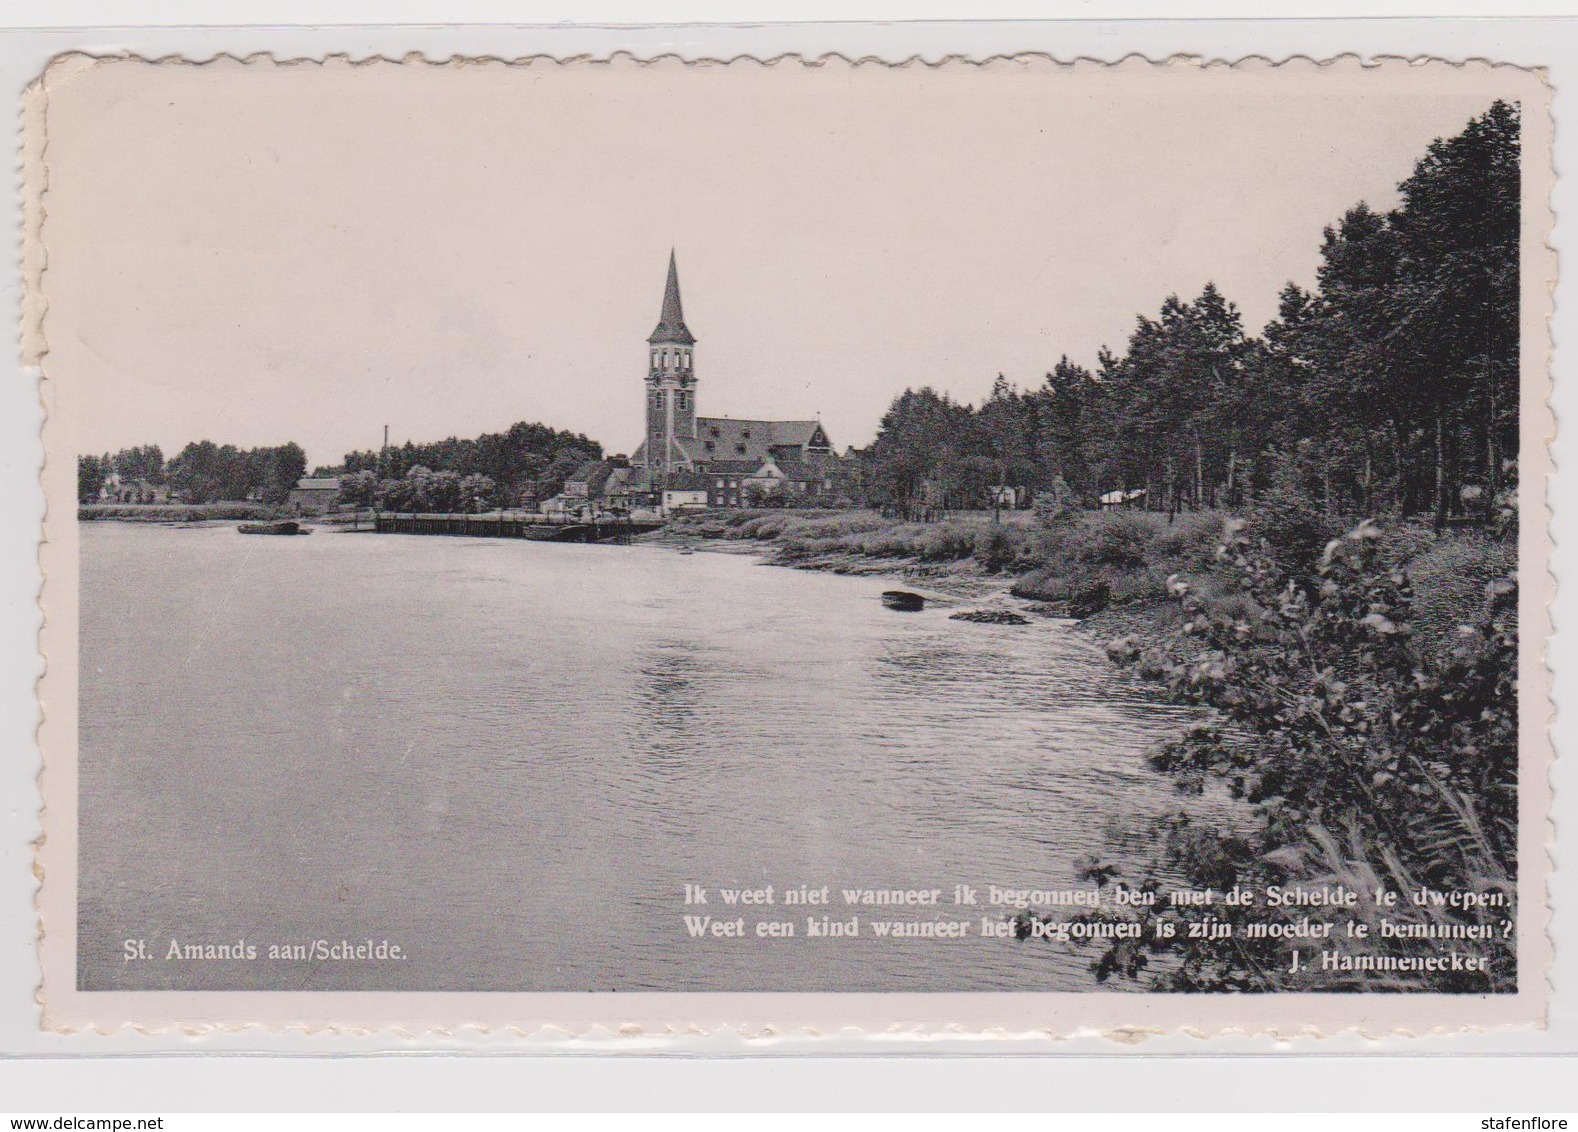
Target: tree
point(1458, 239)
point(142, 463)
point(442, 492)
point(422, 490)
point(277, 471)
point(205, 472)
point(1006, 426)
point(476, 494)
point(359, 489)
point(1068, 440)
point(1414, 330)
point(1179, 393)
point(758, 495)
point(525, 459)
point(917, 464)
point(90, 478)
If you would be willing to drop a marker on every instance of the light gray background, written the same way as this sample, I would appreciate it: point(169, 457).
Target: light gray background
point(1370, 1076)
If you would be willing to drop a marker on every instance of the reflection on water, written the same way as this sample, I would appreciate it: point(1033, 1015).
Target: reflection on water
point(510, 758)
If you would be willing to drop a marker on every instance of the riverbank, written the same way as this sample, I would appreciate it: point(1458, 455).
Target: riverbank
point(1108, 570)
point(175, 512)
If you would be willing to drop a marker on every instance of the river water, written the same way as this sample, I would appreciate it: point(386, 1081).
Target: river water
point(510, 758)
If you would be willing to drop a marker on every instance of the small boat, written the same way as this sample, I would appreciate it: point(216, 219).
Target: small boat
point(903, 601)
point(279, 527)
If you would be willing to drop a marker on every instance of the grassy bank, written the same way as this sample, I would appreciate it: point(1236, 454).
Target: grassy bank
point(1108, 568)
point(173, 512)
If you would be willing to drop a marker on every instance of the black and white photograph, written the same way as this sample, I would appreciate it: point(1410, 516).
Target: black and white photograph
point(988, 545)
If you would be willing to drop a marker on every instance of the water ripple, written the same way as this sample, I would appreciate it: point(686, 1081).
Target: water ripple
point(514, 756)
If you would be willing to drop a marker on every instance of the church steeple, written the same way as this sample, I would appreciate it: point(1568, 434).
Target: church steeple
point(671, 328)
point(670, 387)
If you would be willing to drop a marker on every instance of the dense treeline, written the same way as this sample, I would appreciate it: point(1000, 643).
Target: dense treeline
point(202, 472)
point(527, 461)
point(205, 472)
point(420, 490)
point(1372, 742)
point(1391, 388)
point(144, 463)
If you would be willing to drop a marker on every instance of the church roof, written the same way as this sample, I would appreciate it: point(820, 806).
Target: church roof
point(793, 432)
point(734, 467)
point(720, 440)
point(729, 435)
point(671, 324)
point(723, 438)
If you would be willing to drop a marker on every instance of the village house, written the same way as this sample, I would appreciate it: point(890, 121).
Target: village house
point(594, 487)
point(1121, 498)
point(118, 490)
point(1009, 497)
point(728, 479)
point(616, 489)
point(686, 491)
point(315, 496)
point(587, 483)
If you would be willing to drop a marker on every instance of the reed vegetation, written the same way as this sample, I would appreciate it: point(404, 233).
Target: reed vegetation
point(175, 512)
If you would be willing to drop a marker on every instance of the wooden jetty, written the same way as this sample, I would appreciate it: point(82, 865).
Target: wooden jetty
point(517, 524)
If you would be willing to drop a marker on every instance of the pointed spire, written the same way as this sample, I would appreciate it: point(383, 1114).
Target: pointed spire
point(671, 326)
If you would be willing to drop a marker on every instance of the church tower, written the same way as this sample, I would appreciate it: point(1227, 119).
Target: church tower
point(670, 386)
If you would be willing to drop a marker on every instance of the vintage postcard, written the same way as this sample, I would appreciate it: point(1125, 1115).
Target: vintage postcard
point(660, 546)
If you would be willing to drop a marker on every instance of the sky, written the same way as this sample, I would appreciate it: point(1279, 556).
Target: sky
point(260, 253)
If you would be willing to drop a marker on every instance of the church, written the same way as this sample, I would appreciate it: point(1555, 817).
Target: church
point(718, 461)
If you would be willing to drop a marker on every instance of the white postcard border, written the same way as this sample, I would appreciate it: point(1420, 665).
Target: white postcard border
point(896, 1016)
